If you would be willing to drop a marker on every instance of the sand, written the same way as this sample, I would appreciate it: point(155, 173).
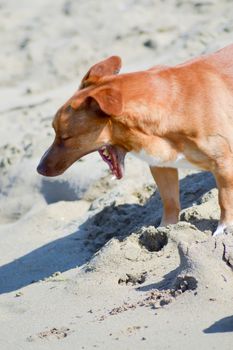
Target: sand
point(82, 264)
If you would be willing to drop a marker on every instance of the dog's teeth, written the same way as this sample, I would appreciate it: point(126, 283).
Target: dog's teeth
point(105, 152)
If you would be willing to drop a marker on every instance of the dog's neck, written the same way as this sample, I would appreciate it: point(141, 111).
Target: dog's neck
point(145, 116)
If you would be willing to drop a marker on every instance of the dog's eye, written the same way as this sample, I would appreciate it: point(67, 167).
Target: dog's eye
point(65, 138)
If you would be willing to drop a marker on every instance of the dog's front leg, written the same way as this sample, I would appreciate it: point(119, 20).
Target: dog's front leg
point(168, 185)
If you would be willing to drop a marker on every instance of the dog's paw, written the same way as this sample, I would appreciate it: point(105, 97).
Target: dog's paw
point(223, 229)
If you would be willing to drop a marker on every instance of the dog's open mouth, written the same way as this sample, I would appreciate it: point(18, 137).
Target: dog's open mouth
point(114, 156)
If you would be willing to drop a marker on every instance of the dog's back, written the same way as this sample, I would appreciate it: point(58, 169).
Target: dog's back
point(223, 60)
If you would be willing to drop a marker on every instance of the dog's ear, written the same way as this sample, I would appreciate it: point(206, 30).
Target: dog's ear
point(110, 66)
point(109, 99)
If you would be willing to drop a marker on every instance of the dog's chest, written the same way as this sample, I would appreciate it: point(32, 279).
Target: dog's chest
point(180, 161)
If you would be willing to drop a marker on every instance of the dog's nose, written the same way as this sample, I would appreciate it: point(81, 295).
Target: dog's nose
point(41, 169)
point(45, 170)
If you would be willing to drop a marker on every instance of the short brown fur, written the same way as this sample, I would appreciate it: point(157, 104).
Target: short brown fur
point(165, 111)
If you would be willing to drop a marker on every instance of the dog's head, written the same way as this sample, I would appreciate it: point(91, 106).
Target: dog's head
point(84, 125)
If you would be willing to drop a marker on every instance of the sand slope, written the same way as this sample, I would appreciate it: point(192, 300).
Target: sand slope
point(82, 264)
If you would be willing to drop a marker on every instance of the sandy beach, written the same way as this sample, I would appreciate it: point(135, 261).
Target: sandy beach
point(82, 262)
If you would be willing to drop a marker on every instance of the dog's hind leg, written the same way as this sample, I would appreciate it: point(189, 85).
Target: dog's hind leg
point(168, 186)
point(224, 179)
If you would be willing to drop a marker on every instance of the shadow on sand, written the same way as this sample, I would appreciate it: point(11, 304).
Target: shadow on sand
point(222, 326)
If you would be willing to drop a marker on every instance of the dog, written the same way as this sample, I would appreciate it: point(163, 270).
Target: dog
point(170, 117)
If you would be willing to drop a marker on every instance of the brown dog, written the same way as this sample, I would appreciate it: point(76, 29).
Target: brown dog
point(171, 117)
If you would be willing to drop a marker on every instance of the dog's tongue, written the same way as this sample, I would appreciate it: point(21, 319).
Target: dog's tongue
point(114, 156)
